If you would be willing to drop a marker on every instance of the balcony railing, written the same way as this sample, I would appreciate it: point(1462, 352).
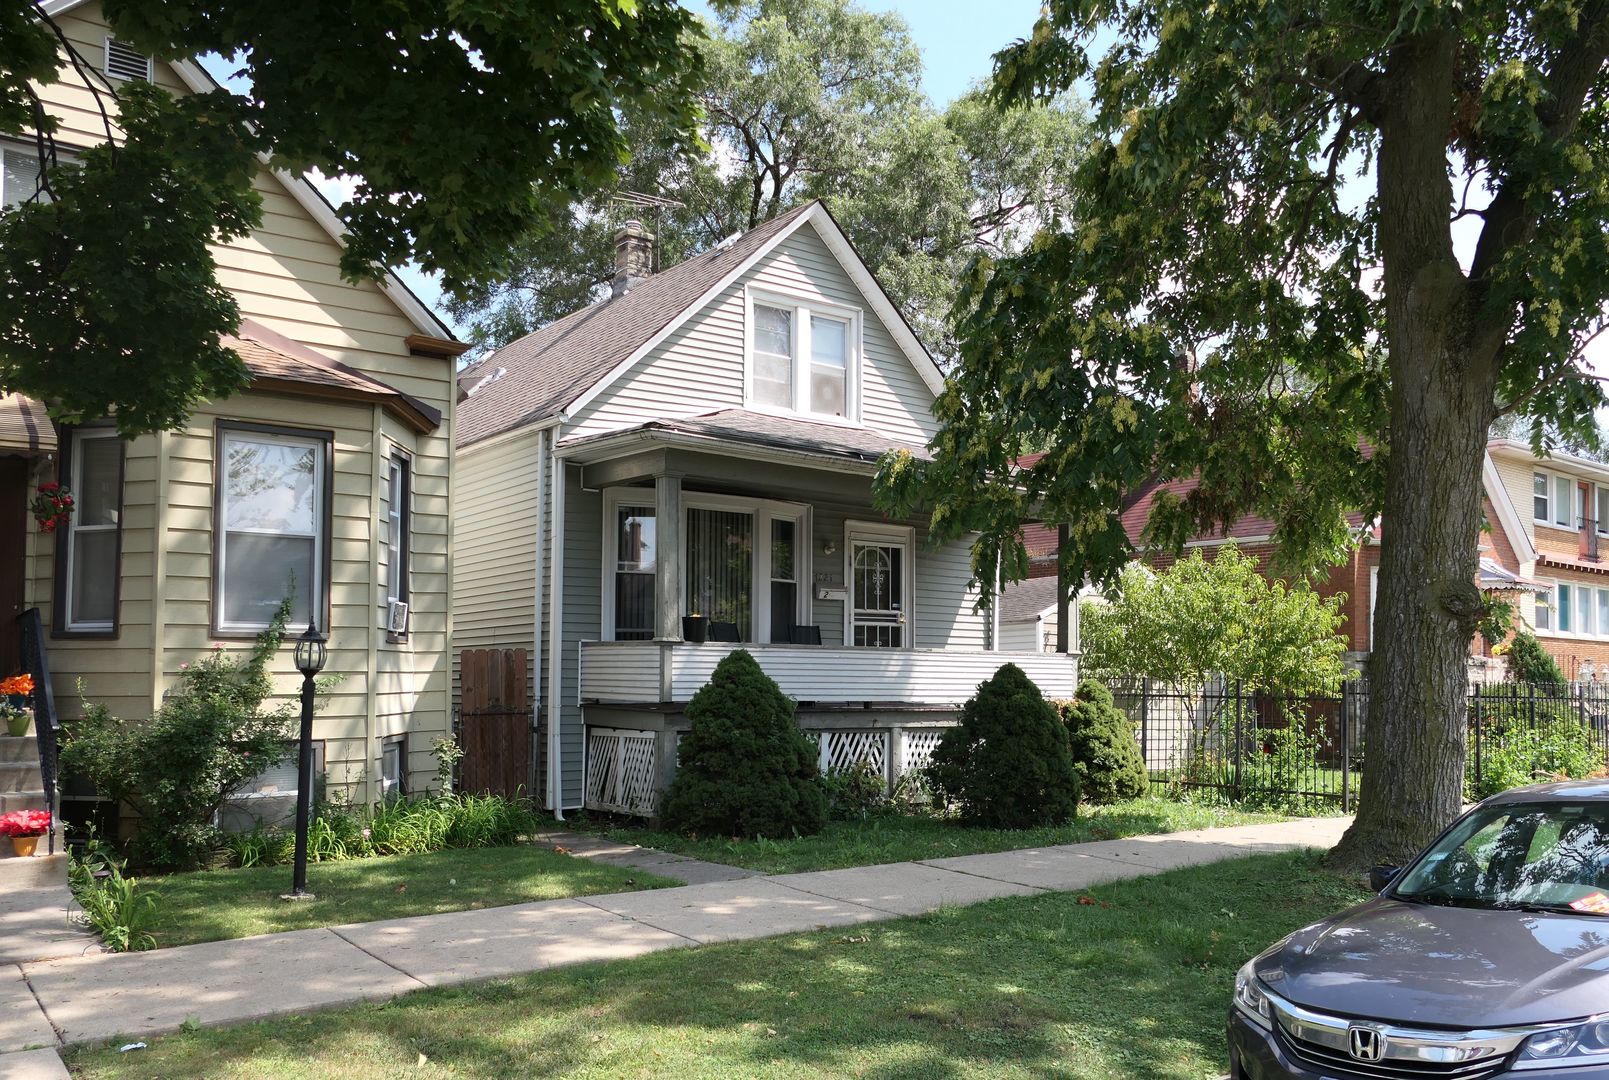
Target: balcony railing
point(650, 672)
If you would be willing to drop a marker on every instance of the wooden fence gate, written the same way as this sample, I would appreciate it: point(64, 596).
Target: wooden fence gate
point(495, 716)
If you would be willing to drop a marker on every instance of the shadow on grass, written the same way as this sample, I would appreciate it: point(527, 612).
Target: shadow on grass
point(1134, 984)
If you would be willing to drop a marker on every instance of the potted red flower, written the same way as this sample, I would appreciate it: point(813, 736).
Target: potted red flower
point(14, 697)
point(52, 506)
point(25, 827)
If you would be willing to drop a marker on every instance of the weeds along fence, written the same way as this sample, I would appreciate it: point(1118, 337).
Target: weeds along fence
point(1306, 753)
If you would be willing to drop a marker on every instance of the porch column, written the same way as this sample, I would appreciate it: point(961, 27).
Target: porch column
point(668, 558)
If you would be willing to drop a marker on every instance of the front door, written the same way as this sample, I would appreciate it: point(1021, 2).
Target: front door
point(877, 593)
point(13, 557)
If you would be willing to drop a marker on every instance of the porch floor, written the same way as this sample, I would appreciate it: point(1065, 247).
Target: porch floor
point(137, 994)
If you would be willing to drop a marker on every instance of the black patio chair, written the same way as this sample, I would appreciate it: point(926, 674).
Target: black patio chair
point(724, 631)
point(805, 635)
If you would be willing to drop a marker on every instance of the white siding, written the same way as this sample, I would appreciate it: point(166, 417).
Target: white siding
point(699, 368)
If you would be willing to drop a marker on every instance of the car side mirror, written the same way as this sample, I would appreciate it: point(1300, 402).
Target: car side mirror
point(1381, 877)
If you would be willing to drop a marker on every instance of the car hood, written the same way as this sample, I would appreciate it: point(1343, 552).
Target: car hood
point(1445, 966)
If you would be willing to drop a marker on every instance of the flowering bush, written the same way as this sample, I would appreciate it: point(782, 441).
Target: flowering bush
point(52, 506)
point(17, 686)
point(25, 823)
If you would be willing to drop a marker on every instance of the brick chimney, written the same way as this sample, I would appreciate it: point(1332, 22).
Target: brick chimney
point(634, 257)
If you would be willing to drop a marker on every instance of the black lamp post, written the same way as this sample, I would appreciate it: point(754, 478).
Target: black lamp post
point(310, 657)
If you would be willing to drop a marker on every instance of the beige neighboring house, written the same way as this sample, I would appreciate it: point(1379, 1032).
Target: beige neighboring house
point(702, 443)
point(331, 471)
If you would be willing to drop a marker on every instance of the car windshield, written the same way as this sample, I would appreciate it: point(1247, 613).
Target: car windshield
point(1525, 856)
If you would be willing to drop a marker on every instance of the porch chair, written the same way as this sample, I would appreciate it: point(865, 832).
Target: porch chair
point(805, 635)
point(724, 631)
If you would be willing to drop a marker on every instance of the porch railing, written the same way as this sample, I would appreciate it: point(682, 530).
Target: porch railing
point(649, 672)
point(47, 728)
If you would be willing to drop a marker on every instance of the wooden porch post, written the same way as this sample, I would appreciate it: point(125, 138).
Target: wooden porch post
point(1064, 630)
point(668, 558)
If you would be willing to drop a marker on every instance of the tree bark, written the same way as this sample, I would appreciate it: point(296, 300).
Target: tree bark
point(1442, 389)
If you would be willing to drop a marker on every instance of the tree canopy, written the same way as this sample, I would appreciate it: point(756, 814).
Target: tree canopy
point(463, 125)
point(1200, 618)
point(808, 98)
point(1257, 287)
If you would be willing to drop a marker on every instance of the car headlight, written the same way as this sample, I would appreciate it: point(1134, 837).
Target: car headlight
point(1250, 998)
point(1579, 1044)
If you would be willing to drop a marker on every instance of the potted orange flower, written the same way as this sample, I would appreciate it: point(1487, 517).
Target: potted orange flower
point(15, 695)
point(25, 827)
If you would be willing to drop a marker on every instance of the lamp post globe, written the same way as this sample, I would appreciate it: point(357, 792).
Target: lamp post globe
point(311, 654)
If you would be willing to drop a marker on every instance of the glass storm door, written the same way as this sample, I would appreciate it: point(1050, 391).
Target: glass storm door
point(877, 586)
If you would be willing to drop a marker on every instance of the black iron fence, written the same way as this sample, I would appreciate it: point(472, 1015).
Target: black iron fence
point(1305, 753)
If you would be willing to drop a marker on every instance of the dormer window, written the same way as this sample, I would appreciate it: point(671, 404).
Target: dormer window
point(803, 357)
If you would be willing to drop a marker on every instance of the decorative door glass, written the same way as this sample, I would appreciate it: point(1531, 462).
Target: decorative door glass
point(877, 584)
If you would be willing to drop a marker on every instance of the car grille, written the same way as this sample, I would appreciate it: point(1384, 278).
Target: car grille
point(1331, 1061)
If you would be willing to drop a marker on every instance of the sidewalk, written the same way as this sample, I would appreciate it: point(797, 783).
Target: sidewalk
point(91, 998)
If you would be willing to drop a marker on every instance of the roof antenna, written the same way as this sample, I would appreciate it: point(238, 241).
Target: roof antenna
point(643, 201)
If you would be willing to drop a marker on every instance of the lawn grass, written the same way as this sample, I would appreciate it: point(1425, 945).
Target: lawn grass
point(897, 838)
point(1131, 981)
point(210, 905)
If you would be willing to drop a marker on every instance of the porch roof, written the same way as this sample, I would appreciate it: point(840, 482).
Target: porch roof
point(1022, 601)
point(278, 363)
point(857, 446)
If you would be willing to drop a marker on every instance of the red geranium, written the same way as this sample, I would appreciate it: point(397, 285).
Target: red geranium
point(52, 506)
point(25, 823)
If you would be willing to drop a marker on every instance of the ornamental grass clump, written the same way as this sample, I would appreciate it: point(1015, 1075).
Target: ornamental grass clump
point(1006, 763)
point(746, 770)
point(1100, 736)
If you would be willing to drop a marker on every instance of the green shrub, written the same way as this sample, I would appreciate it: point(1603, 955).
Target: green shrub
point(1104, 748)
point(1515, 753)
point(1283, 771)
point(1529, 662)
point(114, 905)
point(855, 793)
point(1006, 763)
point(745, 767)
point(175, 770)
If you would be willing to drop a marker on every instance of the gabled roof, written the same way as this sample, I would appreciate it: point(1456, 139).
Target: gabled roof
point(280, 364)
point(559, 368)
point(200, 81)
point(1026, 600)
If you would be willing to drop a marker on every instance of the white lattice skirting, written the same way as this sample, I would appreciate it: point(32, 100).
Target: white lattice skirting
point(621, 771)
point(850, 749)
point(919, 746)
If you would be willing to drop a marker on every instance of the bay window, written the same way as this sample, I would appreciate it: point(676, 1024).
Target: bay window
point(633, 572)
point(90, 541)
point(272, 526)
point(803, 357)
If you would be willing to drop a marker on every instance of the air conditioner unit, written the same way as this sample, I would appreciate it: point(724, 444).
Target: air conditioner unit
point(396, 617)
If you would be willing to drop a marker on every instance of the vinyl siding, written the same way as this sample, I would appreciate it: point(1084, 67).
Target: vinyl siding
point(286, 275)
point(699, 368)
point(583, 618)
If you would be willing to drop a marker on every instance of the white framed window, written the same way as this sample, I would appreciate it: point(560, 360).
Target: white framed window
point(394, 768)
point(743, 561)
point(1544, 610)
point(399, 527)
point(1540, 495)
point(20, 175)
point(90, 545)
point(272, 523)
point(880, 582)
point(803, 356)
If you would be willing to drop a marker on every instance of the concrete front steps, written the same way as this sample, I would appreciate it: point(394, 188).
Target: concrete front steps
point(23, 788)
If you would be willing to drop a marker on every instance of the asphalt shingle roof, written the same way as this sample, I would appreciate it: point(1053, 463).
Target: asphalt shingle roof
point(766, 429)
point(1024, 600)
point(549, 368)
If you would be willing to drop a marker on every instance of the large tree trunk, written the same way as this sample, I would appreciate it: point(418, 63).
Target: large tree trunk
point(1427, 605)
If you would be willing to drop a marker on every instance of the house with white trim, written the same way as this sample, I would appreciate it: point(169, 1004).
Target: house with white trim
point(327, 480)
point(692, 457)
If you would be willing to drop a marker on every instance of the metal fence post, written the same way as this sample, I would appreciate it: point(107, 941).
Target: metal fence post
point(1480, 733)
point(1145, 723)
point(1240, 731)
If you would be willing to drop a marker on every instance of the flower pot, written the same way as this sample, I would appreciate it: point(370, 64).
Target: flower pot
point(24, 846)
point(695, 628)
point(17, 724)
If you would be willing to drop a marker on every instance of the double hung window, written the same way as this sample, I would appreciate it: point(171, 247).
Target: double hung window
point(272, 537)
point(94, 476)
point(804, 357)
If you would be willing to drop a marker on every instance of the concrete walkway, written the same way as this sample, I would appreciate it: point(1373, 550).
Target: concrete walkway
point(134, 995)
point(676, 867)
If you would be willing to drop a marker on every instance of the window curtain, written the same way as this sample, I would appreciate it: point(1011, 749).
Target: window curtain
point(720, 568)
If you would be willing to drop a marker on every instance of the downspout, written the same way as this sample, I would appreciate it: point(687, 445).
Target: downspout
point(538, 590)
point(556, 645)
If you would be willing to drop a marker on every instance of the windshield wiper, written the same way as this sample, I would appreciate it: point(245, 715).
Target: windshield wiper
point(1534, 908)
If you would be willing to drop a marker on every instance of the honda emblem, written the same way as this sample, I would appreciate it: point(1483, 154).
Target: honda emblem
point(1366, 1043)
